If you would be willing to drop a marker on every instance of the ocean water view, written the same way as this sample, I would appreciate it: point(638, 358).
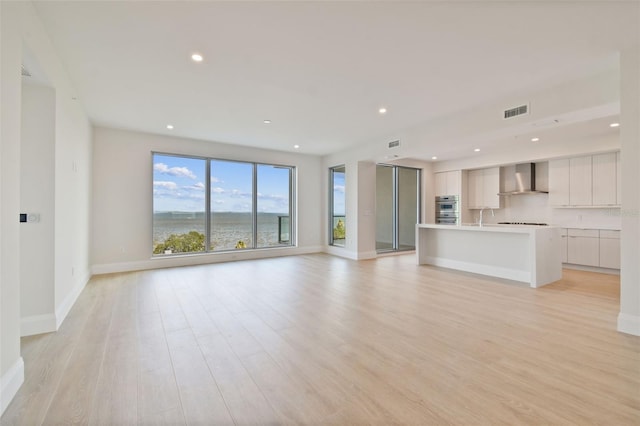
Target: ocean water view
point(227, 228)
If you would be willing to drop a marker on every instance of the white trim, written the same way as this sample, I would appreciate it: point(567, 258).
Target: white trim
point(201, 259)
point(591, 269)
point(477, 268)
point(10, 382)
point(348, 254)
point(63, 309)
point(629, 324)
point(341, 252)
point(37, 324)
point(367, 255)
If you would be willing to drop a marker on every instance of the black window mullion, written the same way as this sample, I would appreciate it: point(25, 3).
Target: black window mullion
point(207, 207)
point(254, 207)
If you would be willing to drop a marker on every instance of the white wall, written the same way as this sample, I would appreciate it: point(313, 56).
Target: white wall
point(629, 317)
point(37, 189)
point(122, 198)
point(72, 200)
point(11, 364)
point(24, 39)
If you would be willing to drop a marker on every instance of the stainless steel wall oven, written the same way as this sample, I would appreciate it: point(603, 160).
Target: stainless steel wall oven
point(447, 210)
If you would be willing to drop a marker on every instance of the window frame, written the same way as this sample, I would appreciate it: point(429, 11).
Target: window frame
point(254, 208)
point(332, 171)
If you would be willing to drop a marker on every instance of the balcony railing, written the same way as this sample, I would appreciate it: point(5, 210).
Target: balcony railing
point(284, 229)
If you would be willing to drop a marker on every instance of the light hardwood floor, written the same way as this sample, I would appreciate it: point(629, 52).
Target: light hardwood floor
point(322, 340)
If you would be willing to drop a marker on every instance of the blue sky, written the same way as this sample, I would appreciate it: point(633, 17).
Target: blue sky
point(338, 194)
point(179, 184)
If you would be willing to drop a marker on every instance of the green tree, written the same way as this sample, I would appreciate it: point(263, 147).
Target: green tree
point(182, 243)
point(339, 230)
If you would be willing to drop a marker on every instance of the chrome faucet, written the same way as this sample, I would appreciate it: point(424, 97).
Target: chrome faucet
point(482, 210)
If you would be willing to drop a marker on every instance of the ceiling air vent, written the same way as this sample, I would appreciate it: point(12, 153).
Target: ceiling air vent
point(514, 112)
point(25, 73)
point(394, 144)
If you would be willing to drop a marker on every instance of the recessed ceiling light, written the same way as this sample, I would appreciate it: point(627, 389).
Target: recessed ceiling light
point(614, 125)
point(170, 126)
point(535, 139)
point(296, 146)
point(267, 121)
point(477, 150)
point(382, 110)
point(434, 158)
point(197, 57)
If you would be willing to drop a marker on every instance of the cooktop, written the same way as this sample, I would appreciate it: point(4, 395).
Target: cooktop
point(523, 223)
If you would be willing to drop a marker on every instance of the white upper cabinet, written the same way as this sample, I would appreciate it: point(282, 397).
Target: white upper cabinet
point(592, 180)
point(448, 183)
point(559, 182)
point(580, 181)
point(474, 188)
point(441, 183)
point(483, 186)
point(605, 179)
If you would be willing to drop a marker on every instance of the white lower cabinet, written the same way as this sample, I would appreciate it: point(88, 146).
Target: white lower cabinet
point(583, 247)
point(591, 247)
point(564, 238)
point(610, 249)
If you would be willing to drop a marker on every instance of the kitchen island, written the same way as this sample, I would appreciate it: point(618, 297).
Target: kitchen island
point(530, 254)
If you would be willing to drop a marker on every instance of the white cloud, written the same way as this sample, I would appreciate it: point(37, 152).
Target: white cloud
point(216, 180)
point(218, 190)
point(219, 201)
point(273, 197)
point(165, 184)
point(339, 188)
point(198, 186)
point(173, 171)
point(236, 193)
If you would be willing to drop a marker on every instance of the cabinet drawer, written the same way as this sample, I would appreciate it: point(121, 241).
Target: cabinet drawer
point(594, 233)
point(605, 233)
point(563, 232)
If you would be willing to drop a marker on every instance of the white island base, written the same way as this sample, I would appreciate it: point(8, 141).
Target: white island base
point(530, 254)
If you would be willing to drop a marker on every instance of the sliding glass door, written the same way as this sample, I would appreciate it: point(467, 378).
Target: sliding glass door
point(397, 207)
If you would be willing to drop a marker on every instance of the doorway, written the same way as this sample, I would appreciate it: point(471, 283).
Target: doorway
point(397, 207)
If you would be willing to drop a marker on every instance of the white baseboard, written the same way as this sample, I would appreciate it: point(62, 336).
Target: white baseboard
point(629, 324)
point(63, 310)
point(367, 255)
point(591, 269)
point(10, 382)
point(201, 259)
point(476, 268)
point(348, 254)
point(37, 324)
point(341, 252)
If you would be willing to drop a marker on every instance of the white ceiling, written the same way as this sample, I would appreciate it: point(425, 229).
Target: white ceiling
point(320, 70)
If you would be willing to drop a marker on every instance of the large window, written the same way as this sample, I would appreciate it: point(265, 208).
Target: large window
point(202, 205)
point(337, 210)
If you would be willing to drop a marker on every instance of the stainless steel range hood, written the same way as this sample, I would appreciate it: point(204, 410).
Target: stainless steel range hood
point(525, 180)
